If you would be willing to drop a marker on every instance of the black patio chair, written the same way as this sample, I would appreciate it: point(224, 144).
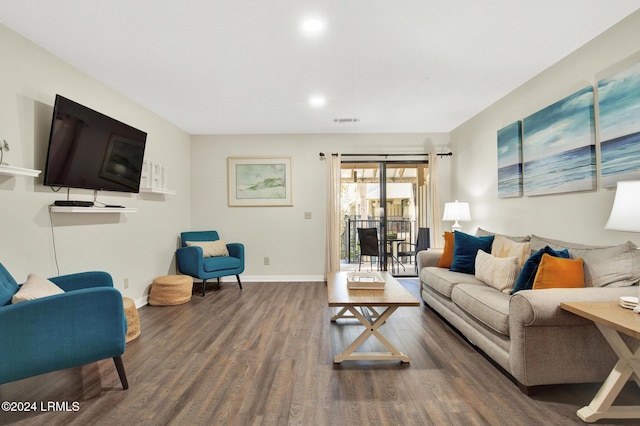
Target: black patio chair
point(369, 245)
point(407, 249)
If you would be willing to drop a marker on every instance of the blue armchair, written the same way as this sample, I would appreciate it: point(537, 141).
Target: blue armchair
point(84, 324)
point(191, 260)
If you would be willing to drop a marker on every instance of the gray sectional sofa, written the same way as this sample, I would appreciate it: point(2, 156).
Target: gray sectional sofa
point(527, 333)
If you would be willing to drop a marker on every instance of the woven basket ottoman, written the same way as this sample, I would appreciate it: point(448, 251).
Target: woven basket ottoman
point(133, 320)
point(171, 290)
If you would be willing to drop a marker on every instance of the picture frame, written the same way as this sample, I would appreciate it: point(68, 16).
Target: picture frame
point(259, 181)
point(510, 161)
point(619, 107)
point(559, 147)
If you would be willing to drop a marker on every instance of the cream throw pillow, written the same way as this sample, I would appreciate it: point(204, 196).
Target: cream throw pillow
point(211, 248)
point(504, 247)
point(498, 272)
point(34, 288)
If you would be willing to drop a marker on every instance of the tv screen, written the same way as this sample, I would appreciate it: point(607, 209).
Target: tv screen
point(90, 150)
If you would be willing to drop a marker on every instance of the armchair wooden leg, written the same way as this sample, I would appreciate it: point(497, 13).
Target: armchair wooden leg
point(121, 373)
point(204, 286)
point(239, 283)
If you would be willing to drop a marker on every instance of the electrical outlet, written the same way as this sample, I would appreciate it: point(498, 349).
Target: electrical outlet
point(266, 261)
point(307, 215)
point(126, 283)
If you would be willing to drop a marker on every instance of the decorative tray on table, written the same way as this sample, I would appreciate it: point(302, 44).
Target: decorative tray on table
point(365, 281)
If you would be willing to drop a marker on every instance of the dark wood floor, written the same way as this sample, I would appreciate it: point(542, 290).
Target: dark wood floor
point(263, 355)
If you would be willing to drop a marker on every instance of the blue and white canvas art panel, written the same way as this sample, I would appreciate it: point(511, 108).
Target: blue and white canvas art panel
point(510, 160)
point(559, 147)
point(619, 111)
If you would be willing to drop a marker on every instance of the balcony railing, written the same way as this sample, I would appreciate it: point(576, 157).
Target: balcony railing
point(402, 228)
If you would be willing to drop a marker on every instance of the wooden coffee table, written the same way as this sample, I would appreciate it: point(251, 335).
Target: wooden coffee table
point(612, 319)
point(372, 308)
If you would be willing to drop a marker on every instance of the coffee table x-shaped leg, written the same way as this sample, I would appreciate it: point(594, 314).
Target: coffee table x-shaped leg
point(371, 319)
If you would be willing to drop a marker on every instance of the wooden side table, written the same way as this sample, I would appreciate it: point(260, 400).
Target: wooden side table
point(612, 319)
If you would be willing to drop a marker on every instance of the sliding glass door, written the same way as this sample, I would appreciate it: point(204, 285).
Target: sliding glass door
point(389, 196)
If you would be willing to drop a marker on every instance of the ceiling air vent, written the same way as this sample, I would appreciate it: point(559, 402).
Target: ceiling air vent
point(345, 120)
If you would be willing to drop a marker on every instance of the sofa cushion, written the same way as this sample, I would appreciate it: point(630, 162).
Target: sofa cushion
point(483, 232)
point(538, 243)
point(556, 272)
point(465, 250)
point(34, 288)
point(530, 268)
point(485, 304)
point(210, 248)
point(443, 280)
point(504, 247)
point(497, 272)
point(221, 263)
point(617, 266)
point(447, 254)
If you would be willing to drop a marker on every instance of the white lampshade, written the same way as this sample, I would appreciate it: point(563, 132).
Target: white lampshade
point(456, 211)
point(625, 213)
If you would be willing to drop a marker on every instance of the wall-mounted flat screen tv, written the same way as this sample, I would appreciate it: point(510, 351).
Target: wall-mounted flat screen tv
point(90, 150)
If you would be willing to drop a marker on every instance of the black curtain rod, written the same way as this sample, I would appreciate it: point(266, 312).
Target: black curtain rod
point(444, 154)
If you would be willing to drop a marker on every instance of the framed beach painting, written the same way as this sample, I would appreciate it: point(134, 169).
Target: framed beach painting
point(510, 160)
point(619, 113)
point(558, 149)
point(261, 181)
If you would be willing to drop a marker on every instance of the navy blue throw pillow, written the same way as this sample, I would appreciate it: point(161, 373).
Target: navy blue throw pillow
point(465, 249)
point(530, 268)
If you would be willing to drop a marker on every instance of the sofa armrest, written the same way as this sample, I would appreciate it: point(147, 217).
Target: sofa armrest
point(61, 331)
point(83, 280)
point(542, 307)
point(429, 257)
point(551, 345)
point(236, 250)
point(190, 260)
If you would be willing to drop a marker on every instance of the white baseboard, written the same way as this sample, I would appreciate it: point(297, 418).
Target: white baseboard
point(273, 278)
point(141, 302)
point(250, 278)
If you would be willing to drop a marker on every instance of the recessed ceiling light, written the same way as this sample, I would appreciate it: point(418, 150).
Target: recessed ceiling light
point(317, 101)
point(313, 25)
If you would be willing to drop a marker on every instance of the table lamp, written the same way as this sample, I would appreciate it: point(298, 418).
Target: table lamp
point(625, 213)
point(456, 211)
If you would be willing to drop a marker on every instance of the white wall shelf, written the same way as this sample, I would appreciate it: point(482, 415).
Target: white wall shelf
point(158, 191)
point(71, 209)
point(18, 171)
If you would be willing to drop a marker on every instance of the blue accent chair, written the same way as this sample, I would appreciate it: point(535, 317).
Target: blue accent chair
point(83, 325)
point(191, 260)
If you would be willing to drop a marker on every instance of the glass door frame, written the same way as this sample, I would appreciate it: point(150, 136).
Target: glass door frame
point(382, 184)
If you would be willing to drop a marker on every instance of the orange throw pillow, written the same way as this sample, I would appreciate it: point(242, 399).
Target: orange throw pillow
point(557, 272)
point(447, 255)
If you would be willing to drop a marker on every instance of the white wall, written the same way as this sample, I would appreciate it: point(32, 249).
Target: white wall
point(137, 246)
point(579, 216)
point(294, 245)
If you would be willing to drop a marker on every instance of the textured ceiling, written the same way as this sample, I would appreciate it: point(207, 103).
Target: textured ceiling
point(245, 66)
